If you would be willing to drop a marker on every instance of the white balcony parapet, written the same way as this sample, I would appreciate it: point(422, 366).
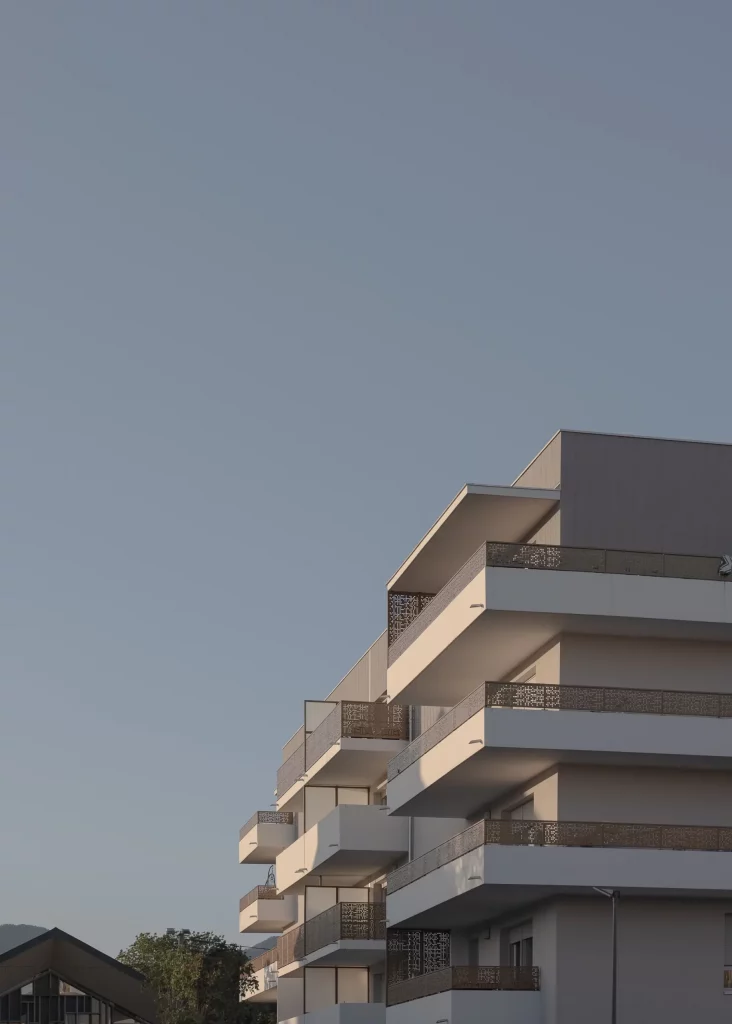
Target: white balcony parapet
point(346, 934)
point(513, 857)
point(264, 910)
point(410, 614)
point(264, 973)
point(351, 842)
point(351, 746)
point(343, 1013)
point(470, 1006)
point(266, 834)
point(434, 775)
point(490, 617)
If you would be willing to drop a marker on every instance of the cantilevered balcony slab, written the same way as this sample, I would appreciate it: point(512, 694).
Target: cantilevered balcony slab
point(343, 1013)
point(509, 600)
point(349, 843)
point(264, 972)
point(264, 910)
point(350, 747)
point(344, 935)
point(266, 834)
point(468, 995)
point(504, 734)
point(497, 866)
point(478, 511)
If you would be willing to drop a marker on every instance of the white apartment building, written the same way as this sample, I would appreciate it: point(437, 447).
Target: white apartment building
point(546, 721)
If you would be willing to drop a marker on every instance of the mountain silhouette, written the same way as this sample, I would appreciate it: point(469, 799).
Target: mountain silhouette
point(16, 934)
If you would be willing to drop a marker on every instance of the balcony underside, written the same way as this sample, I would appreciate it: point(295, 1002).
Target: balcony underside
point(350, 843)
point(344, 953)
point(503, 616)
point(478, 511)
point(349, 762)
point(342, 868)
point(270, 915)
point(499, 749)
point(494, 880)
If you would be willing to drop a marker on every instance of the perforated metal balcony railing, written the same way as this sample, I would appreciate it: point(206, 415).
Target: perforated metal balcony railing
point(259, 892)
point(619, 835)
point(349, 718)
point(471, 979)
point(264, 960)
point(551, 697)
point(364, 921)
point(354, 921)
point(291, 946)
point(266, 818)
point(409, 614)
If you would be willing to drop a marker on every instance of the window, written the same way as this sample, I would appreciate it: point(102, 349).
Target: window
point(523, 812)
point(521, 953)
point(521, 945)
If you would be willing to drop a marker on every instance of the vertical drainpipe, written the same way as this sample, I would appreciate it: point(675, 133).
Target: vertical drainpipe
point(412, 735)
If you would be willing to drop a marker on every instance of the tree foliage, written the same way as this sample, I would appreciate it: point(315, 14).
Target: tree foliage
point(197, 977)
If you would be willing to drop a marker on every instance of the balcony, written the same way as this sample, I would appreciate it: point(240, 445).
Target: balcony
point(495, 866)
point(344, 935)
point(264, 972)
point(489, 744)
point(264, 910)
point(350, 843)
point(489, 617)
point(506, 514)
point(350, 747)
point(266, 834)
point(343, 1013)
point(468, 995)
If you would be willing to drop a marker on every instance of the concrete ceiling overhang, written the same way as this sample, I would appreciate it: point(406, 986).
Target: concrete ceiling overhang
point(478, 513)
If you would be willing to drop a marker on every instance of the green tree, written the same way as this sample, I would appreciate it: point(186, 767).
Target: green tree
point(197, 977)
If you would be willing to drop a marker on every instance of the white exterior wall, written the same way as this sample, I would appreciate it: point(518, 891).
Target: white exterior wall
point(658, 664)
point(670, 961)
point(470, 1008)
point(290, 998)
point(427, 833)
point(544, 792)
point(659, 796)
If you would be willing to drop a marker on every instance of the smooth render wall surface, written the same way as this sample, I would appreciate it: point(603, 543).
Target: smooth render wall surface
point(670, 961)
point(646, 494)
point(658, 796)
point(642, 662)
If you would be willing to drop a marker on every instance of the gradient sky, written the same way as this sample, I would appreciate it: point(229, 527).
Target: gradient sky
point(277, 279)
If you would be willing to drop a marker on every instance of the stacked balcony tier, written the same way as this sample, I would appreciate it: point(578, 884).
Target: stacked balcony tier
point(502, 734)
point(350, 746)
point(494, 867)
point(264, 973)
point(266, 834)
point(352, 842)
point(346, 934)
point(263, 909)
point(468, 995)
point(490, 617)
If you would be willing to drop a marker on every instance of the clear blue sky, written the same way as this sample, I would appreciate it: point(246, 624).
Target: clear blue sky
point(277, 279)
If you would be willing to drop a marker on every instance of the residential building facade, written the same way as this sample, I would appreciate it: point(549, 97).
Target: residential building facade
point(546, 720)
